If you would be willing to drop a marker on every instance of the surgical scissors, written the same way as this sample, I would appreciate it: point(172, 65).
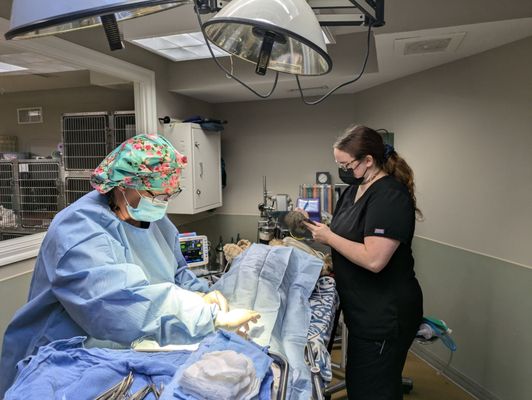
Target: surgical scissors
point(118, 391)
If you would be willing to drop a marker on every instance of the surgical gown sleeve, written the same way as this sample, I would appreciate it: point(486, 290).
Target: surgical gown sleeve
point(114, 300)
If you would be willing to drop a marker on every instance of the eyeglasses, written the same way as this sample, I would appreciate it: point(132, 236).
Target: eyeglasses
point(345, 167)
point(154, 198)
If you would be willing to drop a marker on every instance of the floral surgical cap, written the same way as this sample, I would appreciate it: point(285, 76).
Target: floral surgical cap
point(144, 162)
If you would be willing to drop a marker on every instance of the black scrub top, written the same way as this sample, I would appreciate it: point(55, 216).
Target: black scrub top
point(378, 305)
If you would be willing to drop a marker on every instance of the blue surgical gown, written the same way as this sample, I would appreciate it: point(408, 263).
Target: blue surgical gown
point(103, 278)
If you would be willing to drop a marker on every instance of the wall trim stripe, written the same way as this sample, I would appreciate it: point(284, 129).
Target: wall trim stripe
point(468, 385)
point(19, 249)
point(475, 252)
point(7, 278)
point(239, 215)
point(417, 236)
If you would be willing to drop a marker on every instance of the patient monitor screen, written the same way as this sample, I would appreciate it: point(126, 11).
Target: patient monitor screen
point(193, 251)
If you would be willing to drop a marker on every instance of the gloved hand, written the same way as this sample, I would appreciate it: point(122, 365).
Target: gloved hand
point(236, 318)
point(215, 297)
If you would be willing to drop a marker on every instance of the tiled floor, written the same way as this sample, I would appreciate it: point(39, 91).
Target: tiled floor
point(428, 383)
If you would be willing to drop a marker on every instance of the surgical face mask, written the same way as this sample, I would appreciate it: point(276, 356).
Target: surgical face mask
point(347, 176)
point(147, 210)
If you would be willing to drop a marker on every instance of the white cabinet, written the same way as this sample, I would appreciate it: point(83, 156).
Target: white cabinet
point(201, 179)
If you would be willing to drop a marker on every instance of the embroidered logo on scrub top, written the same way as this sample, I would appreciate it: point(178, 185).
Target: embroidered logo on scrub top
point(379, 231)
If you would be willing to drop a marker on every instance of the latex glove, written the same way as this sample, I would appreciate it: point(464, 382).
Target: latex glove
point(215, 297)
point(236, 318)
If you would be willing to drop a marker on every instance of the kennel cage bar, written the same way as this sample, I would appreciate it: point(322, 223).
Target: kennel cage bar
point(123, 126)
point(8, 214)
point(76, 187)
point(39, 191)
point(86, 139)
point(89, 137)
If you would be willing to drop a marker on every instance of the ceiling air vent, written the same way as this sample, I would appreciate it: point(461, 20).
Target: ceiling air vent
point(428, 45)
point(32, 115)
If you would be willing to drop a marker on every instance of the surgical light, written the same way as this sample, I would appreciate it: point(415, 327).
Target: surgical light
point(284, 36)
point(281, 35)
point(35, 18)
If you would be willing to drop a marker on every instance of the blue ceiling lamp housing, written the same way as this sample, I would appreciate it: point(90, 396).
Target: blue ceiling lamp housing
point(36, 18)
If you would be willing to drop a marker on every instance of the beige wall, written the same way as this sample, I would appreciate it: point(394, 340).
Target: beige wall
point(14, 288)
point(42, 139)
point(464, 127)
point(284, 140)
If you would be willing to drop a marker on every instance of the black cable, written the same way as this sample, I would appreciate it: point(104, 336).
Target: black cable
point(262, 96)
point(312, 103)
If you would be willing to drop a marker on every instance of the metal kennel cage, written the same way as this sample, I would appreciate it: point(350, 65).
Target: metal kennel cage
point(8, 206)
point(86, 140)
point(123, 126)
point(39, 191)
point(89, 137)
point(75, 188)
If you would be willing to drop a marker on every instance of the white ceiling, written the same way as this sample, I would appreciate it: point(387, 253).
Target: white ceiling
point(33, 63)
point(492, 25)
point(386, 64)
point(41, 73)
point(10, 53)
point(45, 73)
point(475, 26)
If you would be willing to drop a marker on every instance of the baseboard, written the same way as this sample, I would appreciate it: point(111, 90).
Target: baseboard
point(470, 386)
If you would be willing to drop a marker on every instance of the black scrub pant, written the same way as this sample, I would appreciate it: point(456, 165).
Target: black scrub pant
point(374, 367)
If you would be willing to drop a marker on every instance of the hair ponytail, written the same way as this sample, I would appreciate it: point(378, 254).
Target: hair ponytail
point(396, 166)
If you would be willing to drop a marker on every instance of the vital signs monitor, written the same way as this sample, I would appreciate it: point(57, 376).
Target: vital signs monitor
point(195, 249)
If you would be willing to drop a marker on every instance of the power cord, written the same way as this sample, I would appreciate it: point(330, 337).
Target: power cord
point(312, 103)
point(228, 73)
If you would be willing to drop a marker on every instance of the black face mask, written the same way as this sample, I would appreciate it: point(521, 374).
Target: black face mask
point(349, 178)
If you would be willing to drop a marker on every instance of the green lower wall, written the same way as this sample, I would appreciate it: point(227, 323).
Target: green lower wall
point(488, 305)
point(485, 301)
point(13, 294)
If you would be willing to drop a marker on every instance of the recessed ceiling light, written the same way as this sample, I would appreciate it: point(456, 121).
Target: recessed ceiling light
point(182, 47)
point(4, 67)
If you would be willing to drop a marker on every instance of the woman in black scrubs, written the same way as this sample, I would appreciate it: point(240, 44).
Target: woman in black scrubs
point(370, 237)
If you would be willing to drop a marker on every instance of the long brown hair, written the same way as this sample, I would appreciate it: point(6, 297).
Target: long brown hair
point(360, 141)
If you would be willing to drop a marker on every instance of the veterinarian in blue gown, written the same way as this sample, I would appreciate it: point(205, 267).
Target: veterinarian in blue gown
point(110, 267)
